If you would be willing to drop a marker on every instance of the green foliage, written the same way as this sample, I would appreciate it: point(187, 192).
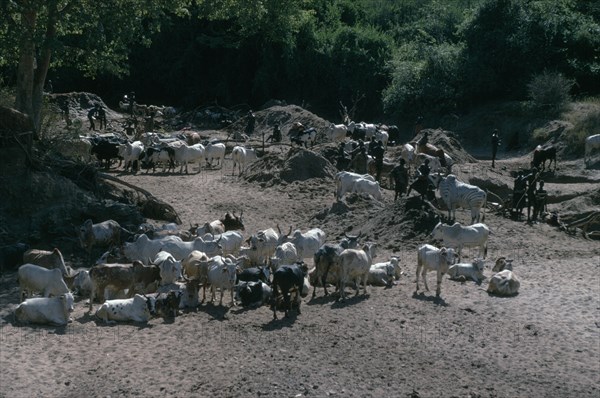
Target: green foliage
point(407, 57)
point(426, 79)
point(550, 91)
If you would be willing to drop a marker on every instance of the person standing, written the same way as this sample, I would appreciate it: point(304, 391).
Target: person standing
point(541, 199)
point(495, 145)
point(92, 113)
point(399, 176)
point(250, 123)
point(101, 113)
point(378, 152)
point(360, 160)
point(276, 136)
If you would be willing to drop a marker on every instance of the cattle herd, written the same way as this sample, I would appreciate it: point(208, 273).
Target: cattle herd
point(158, 271)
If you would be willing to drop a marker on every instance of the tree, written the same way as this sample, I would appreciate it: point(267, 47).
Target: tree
point(89, 35)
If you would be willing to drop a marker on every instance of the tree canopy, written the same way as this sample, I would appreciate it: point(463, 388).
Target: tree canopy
point(398, 57)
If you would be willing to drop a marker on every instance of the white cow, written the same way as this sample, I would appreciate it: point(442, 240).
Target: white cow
point(214, 151)
point(46, 310)
point(144, 248)
point(504, 283)
point(337, 132)
point(393, 264)
point(355, 265)
point(285, 253)
point(33, 278)
point(459, 236)
point(241, 157)
point(368, 187)
point(130, 152)
point(592, 142)
point(230, 241)
point(185, 154)
point(381, 275)
point(221, 275)
point(430, 258)
point(383, 136)
point(306, 243)
point(170, 269)
point(262, 245)
point(136, 309)
point(344, 182)
point(473, 271)
point(408, 154)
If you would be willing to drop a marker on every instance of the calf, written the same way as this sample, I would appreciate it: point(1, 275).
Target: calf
point(46, 310)
point(473, 271)
point(289, 279)
point(47, 259)
point(137, 309)
point(33, 278)
point(430, 258)
point(253, 294)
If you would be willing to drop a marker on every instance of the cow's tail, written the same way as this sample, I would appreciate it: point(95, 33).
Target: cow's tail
point(484, 206)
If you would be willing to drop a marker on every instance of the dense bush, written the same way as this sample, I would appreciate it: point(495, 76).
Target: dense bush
point(550, 91)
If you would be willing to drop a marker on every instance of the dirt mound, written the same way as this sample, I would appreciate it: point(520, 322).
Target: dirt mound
point(297, 164)
point(448, 141)
point(285, 116)
point(404, 225)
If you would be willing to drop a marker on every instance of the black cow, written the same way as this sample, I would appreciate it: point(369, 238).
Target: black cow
point(233, 222)
point(254, 274)
point(105, 150)
point(541, 154)
point(167, 304)
point(253, 294)
point(289, 279)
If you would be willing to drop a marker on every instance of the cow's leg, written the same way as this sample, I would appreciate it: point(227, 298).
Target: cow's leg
point(365, 278)
point(92, 292)
point(439, 284)
point(418, 272)
point(424, 276)
point(221, 300)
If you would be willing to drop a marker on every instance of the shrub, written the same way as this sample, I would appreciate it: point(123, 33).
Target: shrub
point(550, 91)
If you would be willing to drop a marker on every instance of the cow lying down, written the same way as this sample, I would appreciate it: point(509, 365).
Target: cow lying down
point(253, 294)
point(137, 309)
point(464, 271)
point(46, 310)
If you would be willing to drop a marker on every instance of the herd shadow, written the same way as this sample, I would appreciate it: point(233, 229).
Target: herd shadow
point(432, 299)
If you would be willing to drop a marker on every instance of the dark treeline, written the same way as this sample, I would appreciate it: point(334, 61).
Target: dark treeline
point(391, 58)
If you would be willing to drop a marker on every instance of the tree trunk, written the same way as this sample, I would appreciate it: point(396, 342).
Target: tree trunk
point(39, 77)
point(23, 98)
